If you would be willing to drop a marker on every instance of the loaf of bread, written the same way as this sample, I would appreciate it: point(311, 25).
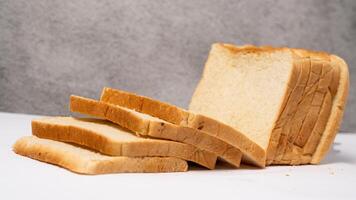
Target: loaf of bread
point(252, 152)
point(289, 101)
point(84, 161)
point(146, 125)
point(259, 105)
point(110, 139)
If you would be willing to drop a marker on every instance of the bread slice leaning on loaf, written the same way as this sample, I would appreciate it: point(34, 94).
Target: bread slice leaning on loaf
point(252, 152)
point(289, 101)
point(110, 139)
point(146, 125)
point(84, 161)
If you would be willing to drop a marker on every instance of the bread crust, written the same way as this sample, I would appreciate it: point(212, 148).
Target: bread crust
point(79, 133)
point(302, 146)
point(316, 106)
point(306, 111)
point(337, 110)
point(83, 161)
point(161, 110)
point(230, 137)
point(245, 49)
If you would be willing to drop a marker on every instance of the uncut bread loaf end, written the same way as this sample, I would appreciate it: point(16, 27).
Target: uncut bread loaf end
point(84, 161)
point(289, 101)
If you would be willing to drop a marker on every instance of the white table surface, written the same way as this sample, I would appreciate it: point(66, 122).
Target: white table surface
point(24, 178)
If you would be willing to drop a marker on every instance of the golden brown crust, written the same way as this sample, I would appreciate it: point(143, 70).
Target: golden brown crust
point(140, 147)
point(123, 117)
point(269, 49)
point(143, 104)
point(83, 161)
point(337, 110)
point(248, 48)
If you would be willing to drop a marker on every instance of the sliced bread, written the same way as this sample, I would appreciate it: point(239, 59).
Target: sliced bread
point(252, 152)
point(289, 101)
point(84, 161)
point(146, 125)
point(109, 138)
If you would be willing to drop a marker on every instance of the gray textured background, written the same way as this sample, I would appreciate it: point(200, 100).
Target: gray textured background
point(51, 49)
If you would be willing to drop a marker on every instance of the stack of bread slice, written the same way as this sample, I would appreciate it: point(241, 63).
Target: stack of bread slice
point(113, 146)
point(257, 105)
point(116, 135)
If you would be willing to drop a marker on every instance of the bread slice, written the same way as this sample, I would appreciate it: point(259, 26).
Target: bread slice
point(289, 101)
point(252, 152)
point(146, 125)
point(84, 161)
point(108, 138)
